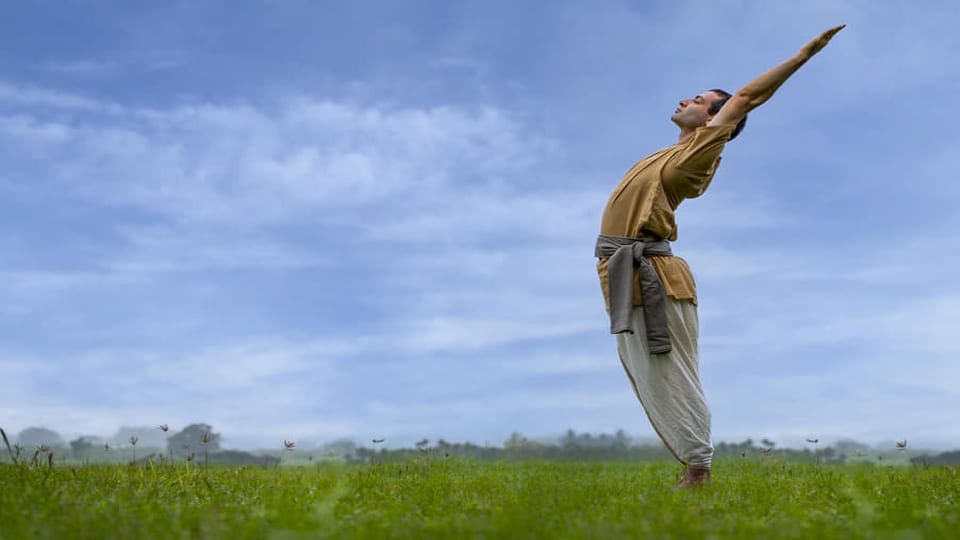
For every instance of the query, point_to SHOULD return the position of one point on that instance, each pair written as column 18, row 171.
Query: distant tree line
column 194, row 443
column 201, row 444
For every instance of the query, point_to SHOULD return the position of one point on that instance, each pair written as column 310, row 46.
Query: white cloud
column 177, row 248
column 32, row 96
column 28, row 129
column 32, row 283
column 242, row 164
column 82, row 67
column 459, row 334
column 241, row 366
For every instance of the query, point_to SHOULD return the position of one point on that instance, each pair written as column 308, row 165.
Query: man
column 650, row 294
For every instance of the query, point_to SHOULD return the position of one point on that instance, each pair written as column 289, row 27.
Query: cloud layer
column 407, row 252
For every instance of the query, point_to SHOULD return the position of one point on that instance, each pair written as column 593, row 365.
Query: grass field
column 439, row 498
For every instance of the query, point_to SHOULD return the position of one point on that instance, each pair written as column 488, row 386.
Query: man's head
column 697, row 111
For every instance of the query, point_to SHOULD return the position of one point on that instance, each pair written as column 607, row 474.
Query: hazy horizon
column 148, row 435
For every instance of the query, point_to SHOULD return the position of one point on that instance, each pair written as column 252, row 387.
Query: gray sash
column 625, row 254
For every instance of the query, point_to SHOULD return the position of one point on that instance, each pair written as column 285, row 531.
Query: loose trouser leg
column 668, row 385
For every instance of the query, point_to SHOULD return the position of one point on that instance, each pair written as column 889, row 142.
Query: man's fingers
column 819, row 42
column 825, row 38
column 833, row 31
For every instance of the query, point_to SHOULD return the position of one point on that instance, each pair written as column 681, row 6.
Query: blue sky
column 309, row 221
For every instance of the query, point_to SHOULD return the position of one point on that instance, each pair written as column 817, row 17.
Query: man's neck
column 685, row 135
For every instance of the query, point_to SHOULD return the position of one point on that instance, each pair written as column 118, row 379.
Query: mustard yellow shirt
column 650, row 192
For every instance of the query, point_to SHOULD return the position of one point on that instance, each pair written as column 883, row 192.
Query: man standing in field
column 649, row 293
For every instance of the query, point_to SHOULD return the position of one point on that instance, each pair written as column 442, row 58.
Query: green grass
column 468, row 499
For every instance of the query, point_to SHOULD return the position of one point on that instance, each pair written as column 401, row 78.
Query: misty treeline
column 199, row 442
column 196, row 442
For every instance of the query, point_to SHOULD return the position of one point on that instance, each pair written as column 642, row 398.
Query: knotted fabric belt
column 624, row 255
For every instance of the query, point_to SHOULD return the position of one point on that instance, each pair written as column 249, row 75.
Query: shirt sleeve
column 695, row 165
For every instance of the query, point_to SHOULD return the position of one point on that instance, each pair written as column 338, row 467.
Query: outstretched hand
column 818, row 43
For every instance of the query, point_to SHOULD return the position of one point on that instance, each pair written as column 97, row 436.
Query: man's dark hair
column 715, row 108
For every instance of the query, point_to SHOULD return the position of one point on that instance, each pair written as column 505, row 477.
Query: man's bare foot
column 694, row 477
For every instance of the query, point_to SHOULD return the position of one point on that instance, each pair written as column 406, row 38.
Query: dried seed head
column 134, row 439
column 205, row 438
column 190, row 457
column 43, row 449
column 106, row 447
column 6, row 443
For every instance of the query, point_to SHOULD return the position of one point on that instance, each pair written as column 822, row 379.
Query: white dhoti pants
column 668, row 385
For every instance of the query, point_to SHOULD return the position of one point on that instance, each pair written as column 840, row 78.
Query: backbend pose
column 649, row 293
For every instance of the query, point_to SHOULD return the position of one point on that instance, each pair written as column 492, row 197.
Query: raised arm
column 759, row 90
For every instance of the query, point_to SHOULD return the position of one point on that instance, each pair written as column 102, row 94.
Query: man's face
column 693, row 112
